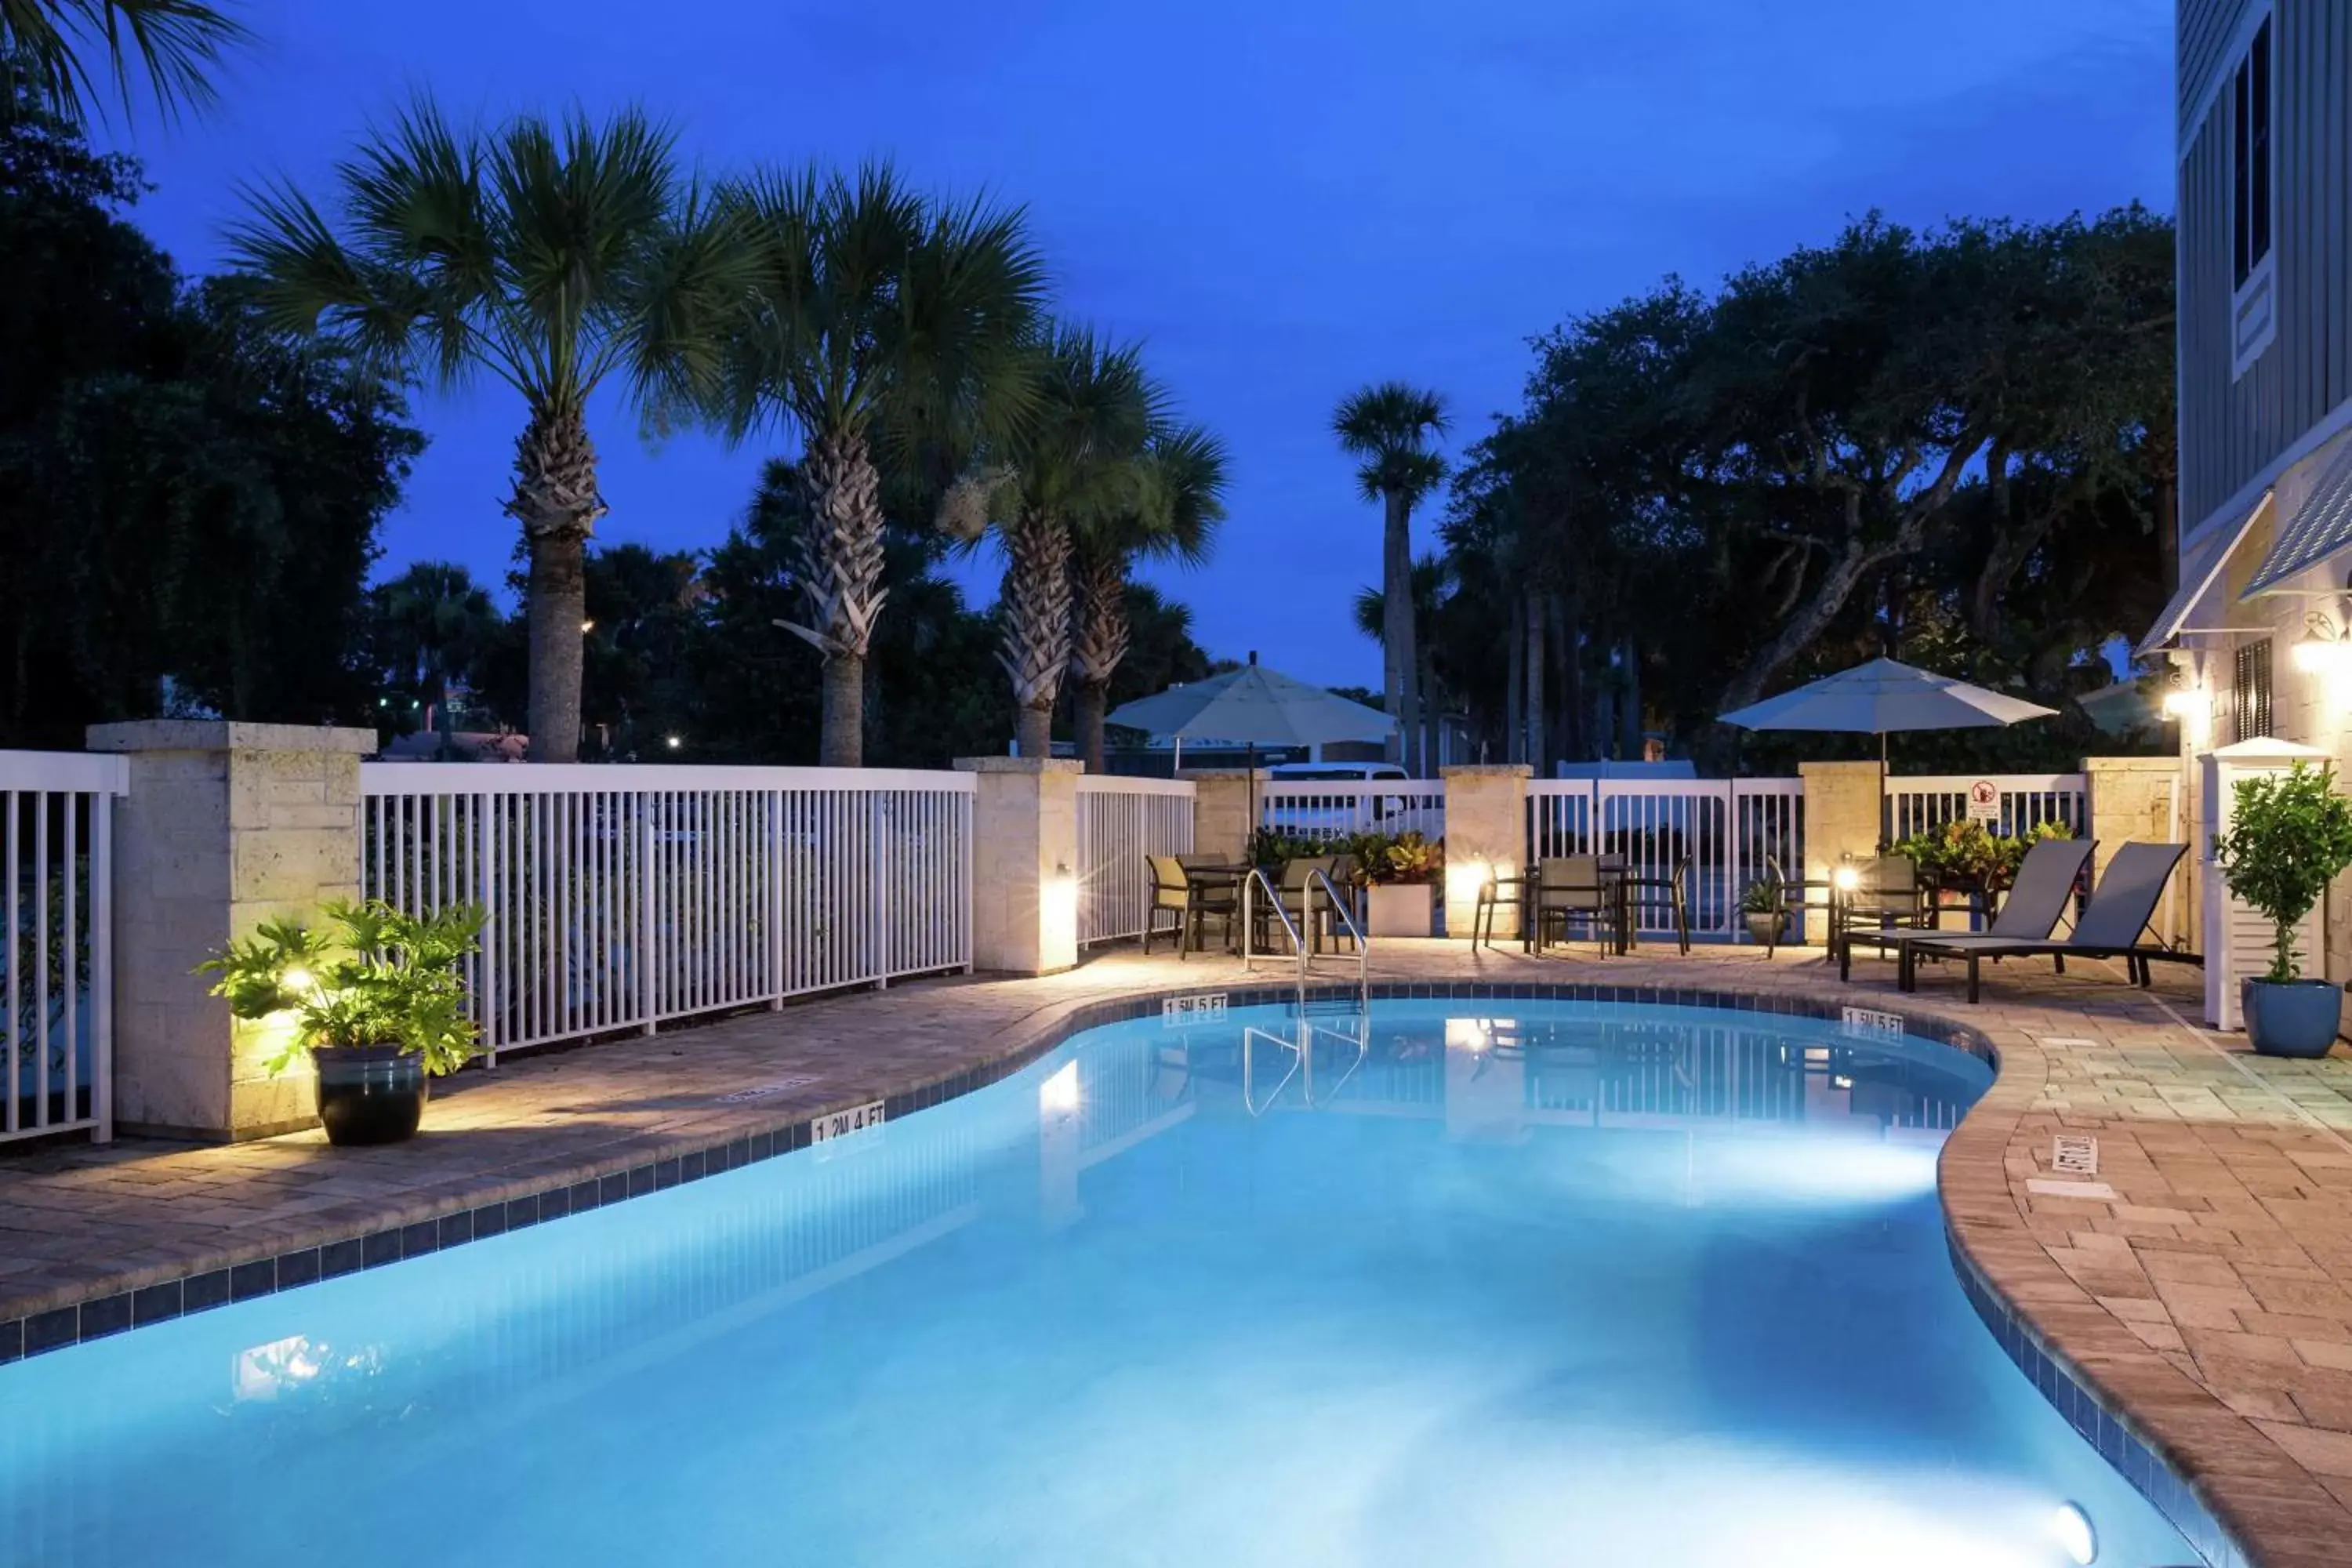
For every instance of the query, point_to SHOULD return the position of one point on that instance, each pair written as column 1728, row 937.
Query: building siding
column 2230, row 430
column 2205, row 29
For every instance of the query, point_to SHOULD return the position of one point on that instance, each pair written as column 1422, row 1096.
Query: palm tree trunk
column 841, row 734
column 1035, row 602
column 559, row 601
column 1534, row 658
column 1088, row 703
column 841, row 577
column 1514, row 685
column 556, row 500
column 1100, row 645
column 1433, row 713
column 1397, row 663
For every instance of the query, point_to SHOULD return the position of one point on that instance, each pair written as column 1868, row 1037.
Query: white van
column 1348, row 802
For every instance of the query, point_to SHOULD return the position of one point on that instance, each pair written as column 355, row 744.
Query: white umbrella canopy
column 1884, row 697
column 1253, row 705
column 1256, row 706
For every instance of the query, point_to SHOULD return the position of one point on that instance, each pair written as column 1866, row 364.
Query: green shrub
column 385, row 978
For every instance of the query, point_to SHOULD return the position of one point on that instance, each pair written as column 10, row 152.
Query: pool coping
column 1999, row 1273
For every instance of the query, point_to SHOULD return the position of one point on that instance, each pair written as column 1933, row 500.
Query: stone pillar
column 1842, row 817
column 1024, row 874
column 2145, row 798
column 1486, row 833
column 1222, row 819
column 226, row 826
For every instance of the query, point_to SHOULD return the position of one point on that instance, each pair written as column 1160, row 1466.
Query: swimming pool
column 1479, row 1283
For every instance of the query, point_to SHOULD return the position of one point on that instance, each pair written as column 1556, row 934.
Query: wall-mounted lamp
column 2325, row 646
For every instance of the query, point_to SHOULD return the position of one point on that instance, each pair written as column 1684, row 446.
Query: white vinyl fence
column 1311, row 809
column 2025, row 800
column 1728, row 828
column 1120, row 821
column 59, row 1032
column 624, row 897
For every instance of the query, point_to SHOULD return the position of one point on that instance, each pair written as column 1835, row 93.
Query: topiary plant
column 2290, row 835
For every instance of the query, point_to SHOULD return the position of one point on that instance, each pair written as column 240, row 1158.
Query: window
column 2253, row 214
column 2250, row 152
column 2250, row 693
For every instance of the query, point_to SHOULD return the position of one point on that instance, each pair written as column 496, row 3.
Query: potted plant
column 2290, row 835
column 377, row 1004
column 1402, row 874
column 1767, row 911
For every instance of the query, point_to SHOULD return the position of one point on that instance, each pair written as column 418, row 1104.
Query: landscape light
column 2071, row 1528
column 587, row 626
column 674, row 743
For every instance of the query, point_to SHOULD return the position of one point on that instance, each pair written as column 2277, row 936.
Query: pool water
column 1550, row 1284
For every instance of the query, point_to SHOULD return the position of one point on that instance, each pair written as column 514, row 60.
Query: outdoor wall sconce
column 2325, row 646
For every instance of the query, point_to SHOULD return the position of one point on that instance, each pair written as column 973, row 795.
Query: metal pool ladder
column 1299, row 946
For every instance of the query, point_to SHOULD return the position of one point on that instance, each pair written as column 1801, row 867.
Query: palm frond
column 175, row 44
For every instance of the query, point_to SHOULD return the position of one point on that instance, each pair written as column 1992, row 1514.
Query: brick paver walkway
column 2203, row 1279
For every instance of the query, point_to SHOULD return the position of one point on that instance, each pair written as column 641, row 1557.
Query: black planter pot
column 2291, row 1018
column 370, row 1094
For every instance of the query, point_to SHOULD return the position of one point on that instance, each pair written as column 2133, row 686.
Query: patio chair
column 1887, row 895
column 1793, row 897
column 1569, row 887
column 1672, row 890
column 2045, row 884
column 1176, row 889
column 2120, row 908
column 1301, row 898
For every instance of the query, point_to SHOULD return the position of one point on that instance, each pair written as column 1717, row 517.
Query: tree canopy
column 1954, row 446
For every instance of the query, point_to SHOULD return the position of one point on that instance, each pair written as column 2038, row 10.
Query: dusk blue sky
column 1284, row 200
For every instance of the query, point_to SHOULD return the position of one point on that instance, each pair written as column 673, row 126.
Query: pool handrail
column 1355, row 930
column 1250, row 884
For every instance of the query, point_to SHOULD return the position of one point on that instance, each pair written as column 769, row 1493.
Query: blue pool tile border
column 2115, row 1438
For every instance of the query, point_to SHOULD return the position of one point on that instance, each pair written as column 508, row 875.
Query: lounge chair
column 2119, row 910
column 2046, row 881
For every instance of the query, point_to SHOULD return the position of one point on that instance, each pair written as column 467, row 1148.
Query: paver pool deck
column 2209, row 1297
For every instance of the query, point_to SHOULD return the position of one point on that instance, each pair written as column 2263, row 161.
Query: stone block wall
column 226, row 826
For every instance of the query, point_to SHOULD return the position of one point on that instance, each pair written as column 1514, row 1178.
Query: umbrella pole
column 1249, row 758
column 1884, row 826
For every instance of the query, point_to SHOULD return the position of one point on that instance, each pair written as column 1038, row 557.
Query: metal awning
column 2200, row 571
column 2320, row 530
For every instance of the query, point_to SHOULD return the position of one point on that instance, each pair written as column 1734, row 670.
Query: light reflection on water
column 1559, row 1284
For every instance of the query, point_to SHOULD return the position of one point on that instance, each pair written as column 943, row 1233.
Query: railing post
column 101, row 963
column 647, row 876
column 776, row 864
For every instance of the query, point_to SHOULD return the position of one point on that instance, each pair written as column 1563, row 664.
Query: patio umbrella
column 1256, row 706
column 1884, row 697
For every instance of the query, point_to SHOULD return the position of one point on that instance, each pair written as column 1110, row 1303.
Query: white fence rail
column 1726, row 829
column 1120, row 821
column 2025, row 800
column 1322, row 809
column 59, row 1031
column 624, row 897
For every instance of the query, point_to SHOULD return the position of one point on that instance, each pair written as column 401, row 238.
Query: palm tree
column 433, row 625
column 1182, row 502
column 1081, row 457
column 177, row 44
column 1389, row 426
column 554, row 255
column 883, row 326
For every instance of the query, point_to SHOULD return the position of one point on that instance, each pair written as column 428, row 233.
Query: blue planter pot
column 2296, row 1018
